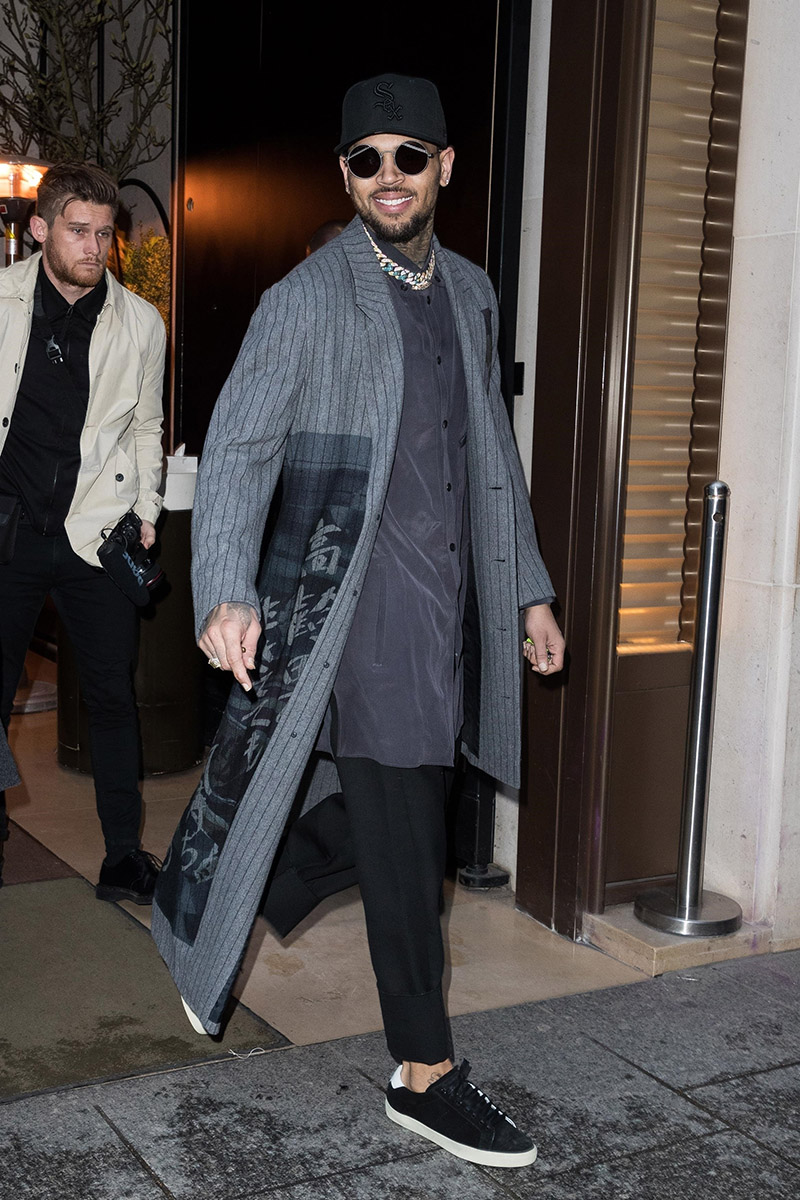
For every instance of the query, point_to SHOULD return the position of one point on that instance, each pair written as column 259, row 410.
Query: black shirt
column 42, row 456
column 398, row 692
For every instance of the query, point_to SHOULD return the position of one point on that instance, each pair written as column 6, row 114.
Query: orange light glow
column 20, row 178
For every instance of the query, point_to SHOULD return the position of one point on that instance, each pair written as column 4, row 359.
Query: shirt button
column 5, row 421
column 444, row 424
column 452, row 545
column 448, row 487
column 119, row 478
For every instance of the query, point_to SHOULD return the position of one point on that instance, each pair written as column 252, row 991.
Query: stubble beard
column 84, row 276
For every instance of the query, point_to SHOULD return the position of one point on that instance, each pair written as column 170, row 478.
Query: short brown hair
column 74, row 181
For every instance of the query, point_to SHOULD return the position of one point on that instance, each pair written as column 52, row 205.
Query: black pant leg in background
column 397, row 825
column 102, row 626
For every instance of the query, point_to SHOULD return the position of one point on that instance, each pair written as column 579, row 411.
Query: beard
column 80, row 275
column 394, row 233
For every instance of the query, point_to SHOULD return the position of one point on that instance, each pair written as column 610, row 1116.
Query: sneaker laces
column 471, row 1100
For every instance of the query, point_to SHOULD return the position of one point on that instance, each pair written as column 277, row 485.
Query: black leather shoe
column 133, row 878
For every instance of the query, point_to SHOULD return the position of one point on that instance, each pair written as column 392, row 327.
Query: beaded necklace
column 417, row 280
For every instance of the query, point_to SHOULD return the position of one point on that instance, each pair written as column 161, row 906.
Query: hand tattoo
column 243, row 611
column 237, row 608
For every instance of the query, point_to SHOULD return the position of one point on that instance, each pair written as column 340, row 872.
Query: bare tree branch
column 49, row 77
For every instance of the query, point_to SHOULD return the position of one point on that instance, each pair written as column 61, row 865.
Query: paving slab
column 774, row 977
column 255, row 1125
column 720, row 1167
column 688, row 1028
column 422, row 1177
column 59, row 1147
column 765, row 1106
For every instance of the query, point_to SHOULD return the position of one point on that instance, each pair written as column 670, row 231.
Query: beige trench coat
column 121, row 454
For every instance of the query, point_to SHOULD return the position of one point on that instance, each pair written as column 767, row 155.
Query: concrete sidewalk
column 683, row 1086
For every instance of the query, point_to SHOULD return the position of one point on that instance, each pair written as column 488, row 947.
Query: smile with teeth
column 392, row 201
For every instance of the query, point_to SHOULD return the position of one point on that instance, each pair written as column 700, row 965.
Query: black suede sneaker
column 457, row 1116
column 133, row 878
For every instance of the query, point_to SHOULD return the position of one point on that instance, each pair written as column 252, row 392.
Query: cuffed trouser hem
column 416, row 1027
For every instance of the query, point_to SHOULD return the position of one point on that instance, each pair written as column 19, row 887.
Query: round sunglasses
column 365, row 161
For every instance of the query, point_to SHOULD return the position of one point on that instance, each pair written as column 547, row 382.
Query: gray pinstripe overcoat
column 314, row 399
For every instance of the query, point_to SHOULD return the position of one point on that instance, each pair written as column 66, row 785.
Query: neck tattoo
column 417, row 280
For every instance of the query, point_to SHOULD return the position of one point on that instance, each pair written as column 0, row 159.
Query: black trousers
column 386, row 831
column 101, row 623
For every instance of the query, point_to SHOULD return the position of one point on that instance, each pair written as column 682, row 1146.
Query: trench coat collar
column 18, row 282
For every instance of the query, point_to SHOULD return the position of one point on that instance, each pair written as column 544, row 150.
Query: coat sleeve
column 534, row 585
column 243, row 454
column 148, row 422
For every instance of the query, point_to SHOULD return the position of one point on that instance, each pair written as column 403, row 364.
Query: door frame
column 598, row 93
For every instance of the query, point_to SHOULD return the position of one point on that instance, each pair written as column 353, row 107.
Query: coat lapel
column 473, row 319
column 471, row 326
column 384, row 346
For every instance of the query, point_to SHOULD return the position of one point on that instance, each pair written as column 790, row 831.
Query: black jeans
column 102, row 626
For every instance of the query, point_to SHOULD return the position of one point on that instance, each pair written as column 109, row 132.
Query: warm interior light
column 20, row 178
column 19, row 181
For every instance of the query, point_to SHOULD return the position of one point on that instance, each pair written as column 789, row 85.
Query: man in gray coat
column 380, row 637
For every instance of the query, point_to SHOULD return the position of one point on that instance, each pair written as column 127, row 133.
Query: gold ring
column 215, row 663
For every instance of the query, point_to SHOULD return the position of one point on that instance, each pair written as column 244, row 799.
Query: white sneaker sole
column 484, row 1158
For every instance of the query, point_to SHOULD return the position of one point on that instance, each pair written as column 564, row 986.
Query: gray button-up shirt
column 398, row 692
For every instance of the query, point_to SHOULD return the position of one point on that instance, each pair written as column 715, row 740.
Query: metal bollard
column 689, row 910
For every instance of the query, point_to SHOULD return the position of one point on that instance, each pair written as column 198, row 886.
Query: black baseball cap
column 393, row 104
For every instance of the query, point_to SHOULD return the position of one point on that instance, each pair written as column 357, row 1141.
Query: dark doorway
column 257, row 118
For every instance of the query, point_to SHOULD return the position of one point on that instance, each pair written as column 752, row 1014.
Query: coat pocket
column 126, row 476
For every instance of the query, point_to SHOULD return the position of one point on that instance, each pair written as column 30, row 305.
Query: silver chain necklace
column 417, row 280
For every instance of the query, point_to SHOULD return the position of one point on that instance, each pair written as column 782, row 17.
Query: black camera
column 125, row 559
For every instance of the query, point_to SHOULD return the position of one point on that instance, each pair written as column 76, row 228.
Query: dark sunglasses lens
column 411, row 160
column 364, row 163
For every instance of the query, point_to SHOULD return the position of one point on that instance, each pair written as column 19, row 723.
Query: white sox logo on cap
column 387, row 101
